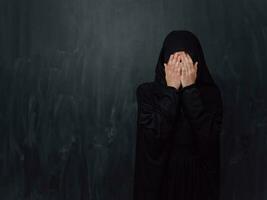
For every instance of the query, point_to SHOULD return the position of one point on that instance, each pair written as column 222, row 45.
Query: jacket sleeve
column 156, row 115
column 155, row 118
column 205, row 119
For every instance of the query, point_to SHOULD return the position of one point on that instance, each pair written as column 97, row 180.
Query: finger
column 186, row 64
column 167, row 71
column 180, row 58
column 182, row 67
column 184, row 56
column 166, row 67
column 170, row 59
column 183, row 61
column 176, row 69
column 189, row 61
column 183, row 70
column 179, row 69
column 176, row 54
column 195, row 65
column 179, row 55
column 177, row 61
column 186, row 69
column 184, row 53
column 175, row 58
column 189, row 64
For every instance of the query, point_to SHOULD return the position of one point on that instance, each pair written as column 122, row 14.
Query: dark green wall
column 68, row 74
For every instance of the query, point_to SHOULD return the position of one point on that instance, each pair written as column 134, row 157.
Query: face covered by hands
column 180, row 70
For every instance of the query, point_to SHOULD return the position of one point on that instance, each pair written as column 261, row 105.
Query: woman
column 178, row 126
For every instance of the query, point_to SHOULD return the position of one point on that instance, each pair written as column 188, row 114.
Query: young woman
column 178, row 126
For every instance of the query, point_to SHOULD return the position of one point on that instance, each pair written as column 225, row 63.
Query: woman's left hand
column 189, row 70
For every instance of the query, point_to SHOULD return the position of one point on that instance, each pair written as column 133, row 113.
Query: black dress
column 178, row 146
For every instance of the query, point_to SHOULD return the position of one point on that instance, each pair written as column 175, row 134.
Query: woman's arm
column 205, row 120
column 156, row 115
column 155, row 121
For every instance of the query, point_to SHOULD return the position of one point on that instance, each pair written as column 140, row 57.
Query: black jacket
column 178, row 141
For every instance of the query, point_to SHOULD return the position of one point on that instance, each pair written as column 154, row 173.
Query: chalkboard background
column 68, row 74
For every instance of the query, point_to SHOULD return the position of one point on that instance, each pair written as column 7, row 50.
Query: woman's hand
column 189, row 70
column 173, row 70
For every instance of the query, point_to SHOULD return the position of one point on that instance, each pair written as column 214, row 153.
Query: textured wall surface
column 68, row 74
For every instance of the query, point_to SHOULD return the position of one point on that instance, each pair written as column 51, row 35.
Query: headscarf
column 183, row 40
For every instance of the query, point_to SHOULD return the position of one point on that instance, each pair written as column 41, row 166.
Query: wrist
column 171, row 87
column 189, row 86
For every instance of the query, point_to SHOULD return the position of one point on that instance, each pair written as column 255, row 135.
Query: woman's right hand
column 173, row 70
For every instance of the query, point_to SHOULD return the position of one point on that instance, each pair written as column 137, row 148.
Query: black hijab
column 183, row 40
column 165, row 166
